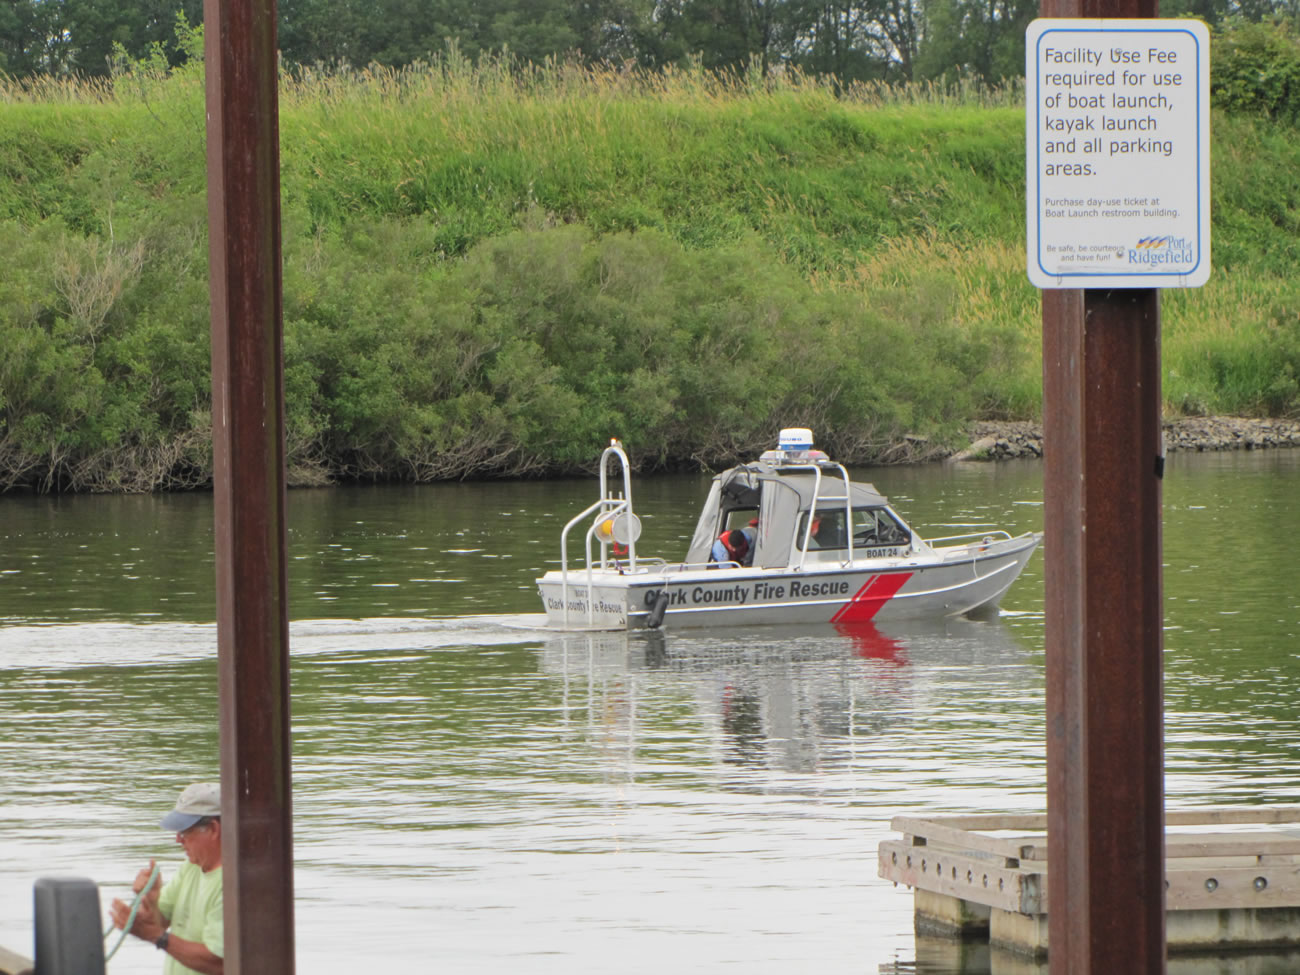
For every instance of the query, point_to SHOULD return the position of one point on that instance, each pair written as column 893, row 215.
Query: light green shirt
column 192, row 902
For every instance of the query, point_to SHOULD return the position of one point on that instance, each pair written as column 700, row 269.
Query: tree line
column 852, row 40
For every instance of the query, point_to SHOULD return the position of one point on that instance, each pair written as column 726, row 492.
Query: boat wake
column 117, row 644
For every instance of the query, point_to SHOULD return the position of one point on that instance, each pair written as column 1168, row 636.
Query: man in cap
column 185, row 919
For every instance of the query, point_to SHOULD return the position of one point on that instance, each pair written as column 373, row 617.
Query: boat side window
column 827, row 530
column 876, row 526
column 871, row 526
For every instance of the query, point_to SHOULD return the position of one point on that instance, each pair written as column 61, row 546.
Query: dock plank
column 953, row 832
column 12, row 963
column 954, row 875
column 1233, row 875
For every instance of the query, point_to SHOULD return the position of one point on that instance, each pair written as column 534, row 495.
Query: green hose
column 135, row 909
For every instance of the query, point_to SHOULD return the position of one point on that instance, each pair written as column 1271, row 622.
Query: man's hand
column 143, row 876
column 149, row 924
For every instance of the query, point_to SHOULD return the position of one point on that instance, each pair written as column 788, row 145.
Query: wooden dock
column 1232, row 878
column 12, row 963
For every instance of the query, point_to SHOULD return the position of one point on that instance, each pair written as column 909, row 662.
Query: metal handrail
column 812, row 508
column 564, row 560
column 954, row 538
column 695, row 566
column 607, row 507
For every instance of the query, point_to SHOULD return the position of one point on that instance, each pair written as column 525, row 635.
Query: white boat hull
column 949, row 582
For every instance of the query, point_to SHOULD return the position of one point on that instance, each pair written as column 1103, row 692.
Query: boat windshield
column 870, row 526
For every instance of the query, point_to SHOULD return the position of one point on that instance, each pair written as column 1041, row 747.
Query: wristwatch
column 161, row 943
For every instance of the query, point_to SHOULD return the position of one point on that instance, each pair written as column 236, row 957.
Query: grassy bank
column 490, row 273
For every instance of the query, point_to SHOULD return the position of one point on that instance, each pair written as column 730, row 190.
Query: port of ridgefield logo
column 1162, row 250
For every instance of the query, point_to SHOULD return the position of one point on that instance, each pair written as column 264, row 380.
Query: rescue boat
column 790, row 538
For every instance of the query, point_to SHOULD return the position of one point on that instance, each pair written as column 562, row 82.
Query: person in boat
column 735, row 545
column 826, row 533
column 183, row 918
column 814, row 534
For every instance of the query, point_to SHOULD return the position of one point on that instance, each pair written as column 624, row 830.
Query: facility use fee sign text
column 1117, row 124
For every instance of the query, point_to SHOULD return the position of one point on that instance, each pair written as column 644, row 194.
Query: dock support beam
column 249, row 483
column 1105, row 787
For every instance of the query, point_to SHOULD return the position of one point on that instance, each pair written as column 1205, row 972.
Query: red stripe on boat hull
column 866, row 602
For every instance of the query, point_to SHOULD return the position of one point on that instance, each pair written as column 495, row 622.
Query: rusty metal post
column 249, row 484
column 1103, row 461
column 1105, row 786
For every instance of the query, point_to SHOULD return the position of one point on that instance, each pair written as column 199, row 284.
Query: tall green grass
column 490, row 270
column 1234, row 348
column 703, row 158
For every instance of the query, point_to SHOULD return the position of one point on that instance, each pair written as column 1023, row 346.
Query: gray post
column 69, row 939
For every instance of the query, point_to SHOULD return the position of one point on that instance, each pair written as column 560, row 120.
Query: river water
column 471, row 794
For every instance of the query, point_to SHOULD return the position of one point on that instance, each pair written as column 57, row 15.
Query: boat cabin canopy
column 779, row 498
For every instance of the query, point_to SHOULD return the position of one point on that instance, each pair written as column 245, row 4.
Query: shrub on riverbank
column 490, row 273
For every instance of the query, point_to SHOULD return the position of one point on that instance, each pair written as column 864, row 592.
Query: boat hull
column 951, row 582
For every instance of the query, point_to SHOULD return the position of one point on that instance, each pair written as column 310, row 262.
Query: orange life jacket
column 736, row 544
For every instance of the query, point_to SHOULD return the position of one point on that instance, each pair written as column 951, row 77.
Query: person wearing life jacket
column 734, row 545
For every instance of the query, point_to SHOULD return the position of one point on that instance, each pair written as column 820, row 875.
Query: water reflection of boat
column 795, row 698
column 787, row 539
column 870, row 644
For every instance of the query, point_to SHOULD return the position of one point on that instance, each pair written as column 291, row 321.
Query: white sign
column 1117, row 125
